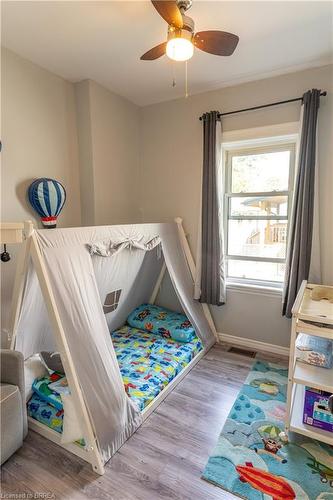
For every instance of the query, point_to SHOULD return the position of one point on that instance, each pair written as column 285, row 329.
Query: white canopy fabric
column 84, row 265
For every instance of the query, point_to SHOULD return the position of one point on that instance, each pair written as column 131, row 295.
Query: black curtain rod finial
column 322, row 94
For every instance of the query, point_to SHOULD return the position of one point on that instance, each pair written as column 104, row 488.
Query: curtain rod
column 322, row 94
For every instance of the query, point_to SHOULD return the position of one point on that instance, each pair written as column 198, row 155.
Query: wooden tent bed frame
column 24, row 233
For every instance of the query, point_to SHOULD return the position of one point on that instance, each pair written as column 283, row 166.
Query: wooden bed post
column 191, row 264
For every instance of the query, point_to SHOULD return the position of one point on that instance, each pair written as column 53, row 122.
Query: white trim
column 260, row 136
column 253, row 258
column 255, row 289
column 253, row 345
column 260, row 142
column 11, row 232
column 247, row 194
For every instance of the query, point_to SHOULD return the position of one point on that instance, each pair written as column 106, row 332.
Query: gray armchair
column 14, row 426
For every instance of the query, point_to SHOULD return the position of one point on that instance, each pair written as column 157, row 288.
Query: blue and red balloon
column 47, row 197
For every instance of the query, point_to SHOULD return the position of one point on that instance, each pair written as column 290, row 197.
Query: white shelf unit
column 314, row 318
column 313, row 376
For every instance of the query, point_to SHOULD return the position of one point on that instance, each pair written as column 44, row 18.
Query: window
column 259, row 184
column 111, row 301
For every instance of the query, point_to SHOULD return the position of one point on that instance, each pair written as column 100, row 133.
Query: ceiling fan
column 181, row 37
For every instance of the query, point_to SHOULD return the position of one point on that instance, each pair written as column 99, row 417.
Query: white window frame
column 246, row 148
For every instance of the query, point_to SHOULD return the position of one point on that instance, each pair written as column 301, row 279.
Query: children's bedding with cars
column 148, row 362
column 152, row 349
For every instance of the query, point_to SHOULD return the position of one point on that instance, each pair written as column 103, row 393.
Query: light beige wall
column 170, row 181
column 39, row 139
column 87, row 184
column 109, row 155
column 38, row 136
column 82, row 134
column 115, row 133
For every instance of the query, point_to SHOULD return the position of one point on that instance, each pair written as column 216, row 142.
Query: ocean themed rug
column 253, row 460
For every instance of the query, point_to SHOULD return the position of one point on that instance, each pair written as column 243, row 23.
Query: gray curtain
column 300, row 237
column 211, row 242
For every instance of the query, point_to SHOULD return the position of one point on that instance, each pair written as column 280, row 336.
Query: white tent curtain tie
column 110, row 248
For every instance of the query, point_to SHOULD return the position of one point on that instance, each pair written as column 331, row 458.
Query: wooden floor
column 164, row 459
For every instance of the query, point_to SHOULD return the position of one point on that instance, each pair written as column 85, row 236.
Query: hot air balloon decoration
column 47, row 197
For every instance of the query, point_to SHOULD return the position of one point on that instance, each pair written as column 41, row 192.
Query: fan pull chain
column 186, row 81
column 173, row 74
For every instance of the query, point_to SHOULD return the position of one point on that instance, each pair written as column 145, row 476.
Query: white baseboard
column 254, row 345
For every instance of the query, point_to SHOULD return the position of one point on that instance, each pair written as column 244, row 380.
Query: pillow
column 42, row 389
column 161, row 321
column 71, row 429
column 33, row 369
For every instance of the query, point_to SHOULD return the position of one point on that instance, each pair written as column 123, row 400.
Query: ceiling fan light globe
column 179, row 49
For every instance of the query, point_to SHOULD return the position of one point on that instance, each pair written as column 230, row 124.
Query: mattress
column 48, row 415
column 45, row 413
column 147, row 362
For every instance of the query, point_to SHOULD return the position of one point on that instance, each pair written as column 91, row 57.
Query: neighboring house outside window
column 258, row 196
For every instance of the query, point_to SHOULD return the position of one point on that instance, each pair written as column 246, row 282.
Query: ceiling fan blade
column 155, row 52
column 220, row 43
column 168, row 9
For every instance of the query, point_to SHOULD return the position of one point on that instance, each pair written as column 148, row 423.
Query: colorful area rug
column 253, row 461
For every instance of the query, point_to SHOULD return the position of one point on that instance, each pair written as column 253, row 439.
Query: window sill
column 255, row 289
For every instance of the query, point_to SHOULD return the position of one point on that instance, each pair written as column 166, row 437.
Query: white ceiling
column 103, row 41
